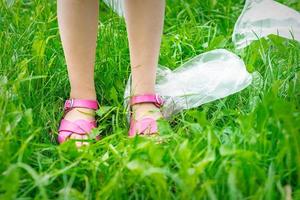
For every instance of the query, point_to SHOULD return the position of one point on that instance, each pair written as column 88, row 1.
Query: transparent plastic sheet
column 116, row 5
column 205, row 78
column 261, row 18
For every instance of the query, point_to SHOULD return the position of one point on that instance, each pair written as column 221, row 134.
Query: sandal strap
column 147, row 98
column 141, row 126
column 81, row 103
column 81, row 127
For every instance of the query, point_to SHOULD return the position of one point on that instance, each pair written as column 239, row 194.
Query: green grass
column 245, row 146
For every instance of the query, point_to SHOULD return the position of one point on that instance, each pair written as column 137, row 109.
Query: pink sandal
column 81, row 127
column 147, row 123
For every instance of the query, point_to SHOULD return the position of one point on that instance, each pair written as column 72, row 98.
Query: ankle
column 87, row 94
column 138, row 90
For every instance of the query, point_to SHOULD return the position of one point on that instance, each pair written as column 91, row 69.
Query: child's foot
column 80, row 114
column 146, row 110
column 144, row 114
column 78, row 121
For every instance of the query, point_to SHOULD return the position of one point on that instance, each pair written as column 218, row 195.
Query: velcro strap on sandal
column 81, row 103
column 147, row 98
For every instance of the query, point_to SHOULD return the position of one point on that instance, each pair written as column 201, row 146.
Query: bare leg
column 78, row 21
column 144, row 20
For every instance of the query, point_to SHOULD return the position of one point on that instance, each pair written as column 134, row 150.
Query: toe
column 77, row 137
column 85, row 137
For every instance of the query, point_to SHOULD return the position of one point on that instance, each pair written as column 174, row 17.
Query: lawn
column 245, row 146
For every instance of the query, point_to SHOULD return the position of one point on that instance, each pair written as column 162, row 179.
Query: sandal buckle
column 69, row 104
column 159, row 100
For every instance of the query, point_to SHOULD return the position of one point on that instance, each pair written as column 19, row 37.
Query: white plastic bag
column 261, row 18
column 205, row 78
column 116, row 5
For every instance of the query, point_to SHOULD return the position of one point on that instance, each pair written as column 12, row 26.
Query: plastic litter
column 261, row 18
column 205, row 78
column 116, row 5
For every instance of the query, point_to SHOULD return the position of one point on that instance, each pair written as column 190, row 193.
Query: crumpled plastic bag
column 261, row 18
column 205, row 78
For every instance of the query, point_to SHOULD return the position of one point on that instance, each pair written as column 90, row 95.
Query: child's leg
column 78, row 30
column 78, row 21
column 144, row 19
